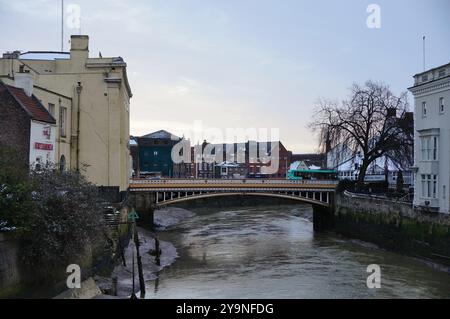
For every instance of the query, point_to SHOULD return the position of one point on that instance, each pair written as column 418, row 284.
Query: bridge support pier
column 323, row 218
column 145, row 207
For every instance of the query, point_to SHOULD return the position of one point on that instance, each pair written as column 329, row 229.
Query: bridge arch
column 194, row 197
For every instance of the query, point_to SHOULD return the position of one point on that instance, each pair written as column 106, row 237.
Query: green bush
column 67, row 218
column 58, row 216
column 15, row 191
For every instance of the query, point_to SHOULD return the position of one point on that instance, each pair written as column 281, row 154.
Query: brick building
column 26, row 125
column 251, row 154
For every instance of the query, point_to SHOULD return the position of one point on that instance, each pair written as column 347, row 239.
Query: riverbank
column 395, row 226
column 124, row 271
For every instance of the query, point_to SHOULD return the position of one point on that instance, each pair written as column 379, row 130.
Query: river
column 272, row 252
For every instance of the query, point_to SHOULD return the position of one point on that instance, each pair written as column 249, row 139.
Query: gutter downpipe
column 79, row 89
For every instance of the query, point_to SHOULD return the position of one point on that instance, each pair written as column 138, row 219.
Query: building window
column 51, row 109
column 62, row 121
column 429, row 186
column 155, row 153
column 441, row 105
column 429, row 148
column 424, row 108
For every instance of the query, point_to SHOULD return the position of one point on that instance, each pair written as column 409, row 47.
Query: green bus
column 315, row 174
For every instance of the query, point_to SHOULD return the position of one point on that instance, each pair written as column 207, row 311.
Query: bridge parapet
column 232, row 181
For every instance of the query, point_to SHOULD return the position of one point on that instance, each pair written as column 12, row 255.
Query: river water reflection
column 272, row 252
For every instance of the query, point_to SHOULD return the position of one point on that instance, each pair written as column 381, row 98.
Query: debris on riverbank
column 124, row 273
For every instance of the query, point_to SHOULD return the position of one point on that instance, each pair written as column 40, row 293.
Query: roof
column 229, row 164
column 433, row 69
column 45, row 55
column 161, row 134
column 31, row 105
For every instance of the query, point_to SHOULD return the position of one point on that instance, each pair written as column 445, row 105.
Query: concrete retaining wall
column 10, row 277
column 395, row 226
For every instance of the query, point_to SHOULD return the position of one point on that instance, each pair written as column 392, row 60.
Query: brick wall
column 14, row 124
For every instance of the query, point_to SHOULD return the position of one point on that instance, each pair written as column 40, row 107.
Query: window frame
column 430, row 186
column 441, row 105
column 429, row 148
column 424, row 109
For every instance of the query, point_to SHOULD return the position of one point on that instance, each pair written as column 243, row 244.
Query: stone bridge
column 150, row 194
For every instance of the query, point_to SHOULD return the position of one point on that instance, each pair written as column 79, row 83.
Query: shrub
column 66, row 219
column 15, row 191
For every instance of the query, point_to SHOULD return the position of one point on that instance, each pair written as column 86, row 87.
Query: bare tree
column 372, row 121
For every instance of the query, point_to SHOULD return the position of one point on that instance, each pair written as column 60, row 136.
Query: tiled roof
column 31, row 104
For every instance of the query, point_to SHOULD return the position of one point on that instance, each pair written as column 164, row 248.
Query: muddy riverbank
column 124, row 271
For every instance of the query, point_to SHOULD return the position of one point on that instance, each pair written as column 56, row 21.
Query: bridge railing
column 231, row 181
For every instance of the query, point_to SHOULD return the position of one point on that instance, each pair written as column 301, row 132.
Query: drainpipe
column 79, row 89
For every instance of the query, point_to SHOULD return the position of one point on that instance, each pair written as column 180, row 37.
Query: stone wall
column 394, row 225
column 10, row 277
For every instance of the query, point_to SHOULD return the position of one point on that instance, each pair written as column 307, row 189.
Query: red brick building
column 26, row 125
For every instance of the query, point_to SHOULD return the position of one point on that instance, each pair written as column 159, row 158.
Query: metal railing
column 231, row 182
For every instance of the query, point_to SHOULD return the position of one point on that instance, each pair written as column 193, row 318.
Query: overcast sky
column 241, row 63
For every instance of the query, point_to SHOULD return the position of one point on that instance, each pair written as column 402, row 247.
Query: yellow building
column 90, row 99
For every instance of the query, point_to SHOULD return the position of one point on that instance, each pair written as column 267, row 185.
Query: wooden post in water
column 133, row 295
column 114, row 286
column 139, row 263
column 157, row 252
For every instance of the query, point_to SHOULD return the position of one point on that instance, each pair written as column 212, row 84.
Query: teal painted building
column 154, row 154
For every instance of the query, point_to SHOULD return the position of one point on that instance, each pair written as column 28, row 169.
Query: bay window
column 429, row 185
column 429, row 148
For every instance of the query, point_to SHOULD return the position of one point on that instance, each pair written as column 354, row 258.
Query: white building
column 42, row 143
column 431, row 92
column 347, row 166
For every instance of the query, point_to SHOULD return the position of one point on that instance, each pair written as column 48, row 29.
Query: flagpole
column 62, row 25
column 424, row 53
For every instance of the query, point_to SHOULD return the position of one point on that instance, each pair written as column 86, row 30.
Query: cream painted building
column 431, row 92
column 89, row 98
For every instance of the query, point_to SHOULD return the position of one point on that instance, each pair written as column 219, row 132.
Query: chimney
column 24, row 81
column 11, row 55
column 79, row 47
